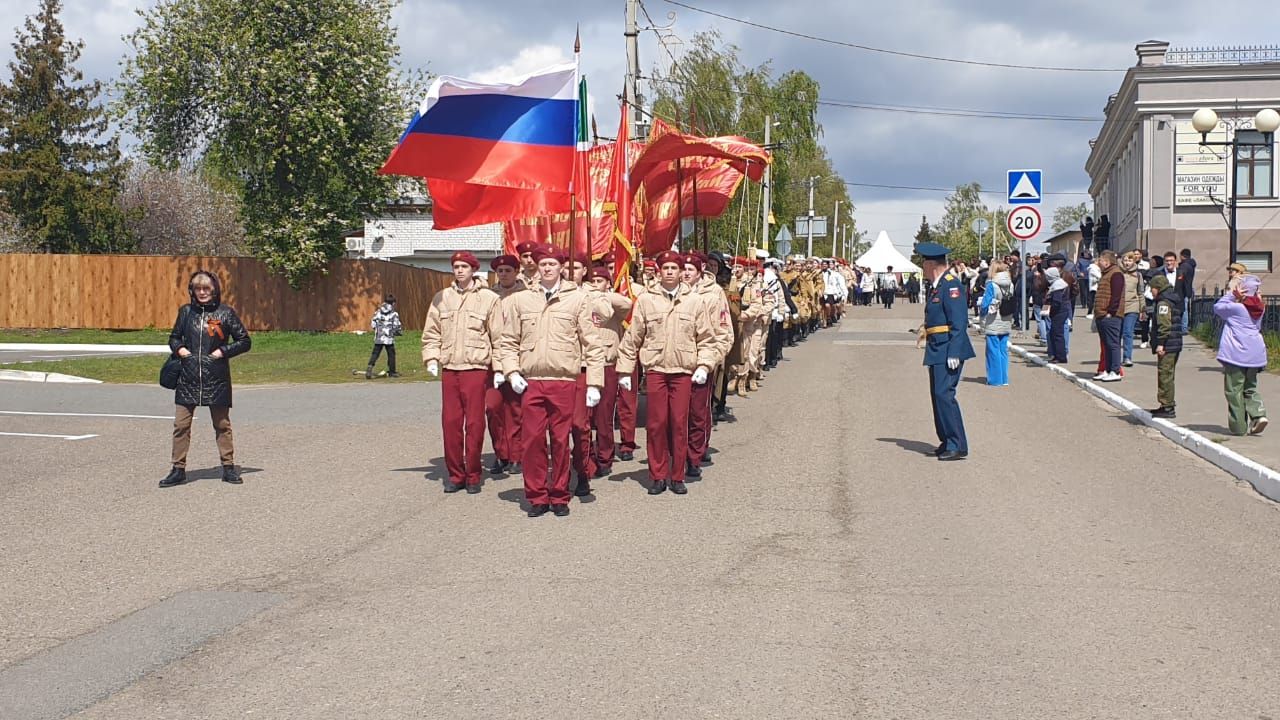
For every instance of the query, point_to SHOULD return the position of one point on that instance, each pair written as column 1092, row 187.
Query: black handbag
column 170, row 371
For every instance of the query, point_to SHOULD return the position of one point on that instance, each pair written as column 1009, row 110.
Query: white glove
column 498, row 379
column 953, row 363
column 593, row 396
column 624, row 382
column 433, row 368
column 700, row 376
column 517, row 383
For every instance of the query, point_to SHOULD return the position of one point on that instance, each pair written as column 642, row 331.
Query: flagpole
column 573, row 177
column 679, row 206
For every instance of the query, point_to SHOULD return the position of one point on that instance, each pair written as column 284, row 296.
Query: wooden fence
column 136, row 291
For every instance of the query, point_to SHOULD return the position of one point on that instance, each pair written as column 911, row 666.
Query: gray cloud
column 475, row 36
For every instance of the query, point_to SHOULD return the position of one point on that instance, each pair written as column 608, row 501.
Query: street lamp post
column 1265, row 124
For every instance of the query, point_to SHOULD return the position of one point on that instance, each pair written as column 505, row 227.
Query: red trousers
column 502, row 408
column 583, row 454
column 627, row 414
column 462, row 419
column 603, row 417
column 547, row 410
column 700, row 420
column 667, row 425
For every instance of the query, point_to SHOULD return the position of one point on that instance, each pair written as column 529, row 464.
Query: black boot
column 658, row 487
column 584, row 487
column 368, row 373
column 231, row 475
column 499, row 466
column 691, row 470
column 176, row 476
column 538, row 510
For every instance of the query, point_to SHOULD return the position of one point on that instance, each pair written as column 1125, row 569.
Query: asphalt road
column 1076, row 565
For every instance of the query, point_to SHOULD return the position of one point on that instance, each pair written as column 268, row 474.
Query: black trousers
column 391, row 356
column 773, row 345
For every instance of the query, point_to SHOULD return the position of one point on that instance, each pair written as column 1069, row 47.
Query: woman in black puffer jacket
column 206, row 335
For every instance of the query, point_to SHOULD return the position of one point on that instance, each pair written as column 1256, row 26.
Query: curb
column 30, row 376
column 1263, row 479
column 82, row 347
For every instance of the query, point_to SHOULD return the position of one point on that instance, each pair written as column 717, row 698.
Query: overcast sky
column 486, row 38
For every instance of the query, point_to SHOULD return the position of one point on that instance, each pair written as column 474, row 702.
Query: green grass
column 150, row 336
column 1204, row 333
column 276, row 357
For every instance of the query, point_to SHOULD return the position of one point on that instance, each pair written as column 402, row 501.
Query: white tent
column 883, row 254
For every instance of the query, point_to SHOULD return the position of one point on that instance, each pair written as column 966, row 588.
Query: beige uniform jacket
column 753, row 301
column 504, row 293
column 715, row 304
column 462, row 328
column 613, row 308
column 667, row 336
column 551, row 339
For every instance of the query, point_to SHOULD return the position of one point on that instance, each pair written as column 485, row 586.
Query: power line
column 942, row 189
column 913, row 109
column 898, row 53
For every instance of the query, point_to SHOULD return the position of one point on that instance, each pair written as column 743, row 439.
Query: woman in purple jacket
column 1243, row 354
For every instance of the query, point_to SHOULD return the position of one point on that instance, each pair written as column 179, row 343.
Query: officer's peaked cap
column 932, row 251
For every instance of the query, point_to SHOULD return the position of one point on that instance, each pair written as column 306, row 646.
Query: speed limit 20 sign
column 1024, row 222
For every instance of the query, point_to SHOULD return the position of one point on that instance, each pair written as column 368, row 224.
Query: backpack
column 1008, row 304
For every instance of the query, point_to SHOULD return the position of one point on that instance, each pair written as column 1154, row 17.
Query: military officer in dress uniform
column 947, row 346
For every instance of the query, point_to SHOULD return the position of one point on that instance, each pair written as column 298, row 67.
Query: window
column 1254, row 166
column 1255, row 261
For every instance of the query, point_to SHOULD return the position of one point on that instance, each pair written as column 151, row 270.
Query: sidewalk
column 1201, row 405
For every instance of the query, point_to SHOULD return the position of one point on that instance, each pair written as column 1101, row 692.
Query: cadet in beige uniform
column 715, row 307
column 463, row 325
column 674, row 341
column 610, row 326
column 501, row 403
column 548, row 336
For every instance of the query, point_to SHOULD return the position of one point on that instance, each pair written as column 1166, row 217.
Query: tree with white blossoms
column 293, row 104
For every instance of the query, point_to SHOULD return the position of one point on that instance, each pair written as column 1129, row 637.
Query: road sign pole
column 1025, row 279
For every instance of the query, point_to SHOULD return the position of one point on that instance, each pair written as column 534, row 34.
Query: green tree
column 1068, row 217
column 294, row 104
column 60, row 172
column 924, row 234
column 710, row 92
column 955, row 230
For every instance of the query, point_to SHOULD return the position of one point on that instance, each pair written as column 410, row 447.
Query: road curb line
column 32, row 376
column 1263, row 479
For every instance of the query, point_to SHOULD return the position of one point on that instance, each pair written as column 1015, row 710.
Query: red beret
column 525, row 247
column 466, row 257
column 510, row 261
column 651, row 264
column 700, row 255
column 562, row 255
column 694, row 260
column 670, row 256
column 601, row 273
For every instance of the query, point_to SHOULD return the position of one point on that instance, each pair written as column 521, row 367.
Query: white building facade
column 1161, row 188
column 405, row 233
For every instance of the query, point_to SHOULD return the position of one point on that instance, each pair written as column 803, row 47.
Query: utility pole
column 632, row 34
column 809, row 251
column 835, row 227
column 766, row 188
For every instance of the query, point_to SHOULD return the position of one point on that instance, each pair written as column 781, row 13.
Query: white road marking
column 43, row 435
column 106, row 415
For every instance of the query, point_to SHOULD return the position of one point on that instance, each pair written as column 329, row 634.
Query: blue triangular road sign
column 1025, row 187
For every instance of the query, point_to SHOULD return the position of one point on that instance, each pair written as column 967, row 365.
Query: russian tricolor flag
column 519, row 135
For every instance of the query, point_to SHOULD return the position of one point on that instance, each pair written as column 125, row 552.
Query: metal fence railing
column 1202, row 313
